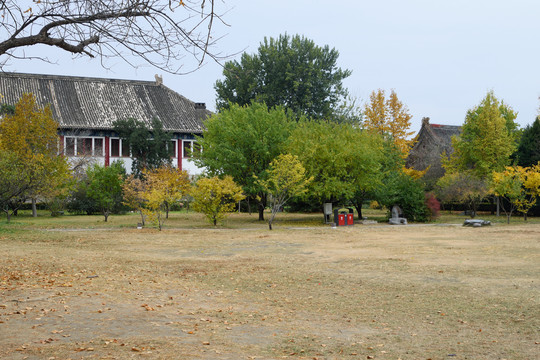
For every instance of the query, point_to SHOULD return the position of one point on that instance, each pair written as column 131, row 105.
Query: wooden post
column 107, row 151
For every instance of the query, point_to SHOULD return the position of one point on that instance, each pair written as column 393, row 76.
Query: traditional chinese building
column 86, row 108
column 433, row 140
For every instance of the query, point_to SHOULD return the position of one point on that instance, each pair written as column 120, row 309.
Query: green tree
column 406, row 192
column 343, row 160
column 488, row 139
column 241, row 141
column 528, row 152
column 14, row 182
column 150, row 147
column 288, row 71
column 216, row 197
column 105, row 186
column 286, row 179
column 389, row 160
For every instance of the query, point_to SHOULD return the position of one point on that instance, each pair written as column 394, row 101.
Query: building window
column 190, row 147
column 115, row 147
column 70, row 146
column 172, row 149
column 98, row 147
column 119, row 148
column 83, row 146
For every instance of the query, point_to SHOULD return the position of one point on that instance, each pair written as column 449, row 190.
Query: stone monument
column 397, row 216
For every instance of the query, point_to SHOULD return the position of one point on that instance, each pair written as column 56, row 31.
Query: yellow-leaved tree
column 164, row 186
column 133, row 189
column 29, row 137
column 215, row 197
column 389, row 117
column 286, row 179
column 519, row 186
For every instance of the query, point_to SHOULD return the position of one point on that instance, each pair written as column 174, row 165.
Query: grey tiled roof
column 95, row 103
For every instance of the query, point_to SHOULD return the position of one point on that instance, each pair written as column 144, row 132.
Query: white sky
column 441, row 57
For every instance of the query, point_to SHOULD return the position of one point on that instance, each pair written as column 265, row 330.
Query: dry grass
column 243, row 292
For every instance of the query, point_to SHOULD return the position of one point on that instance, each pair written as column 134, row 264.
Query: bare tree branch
column 159, row 32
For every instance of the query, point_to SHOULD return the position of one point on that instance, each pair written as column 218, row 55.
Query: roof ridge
column 76, row 78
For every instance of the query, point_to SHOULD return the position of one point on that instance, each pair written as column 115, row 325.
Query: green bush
column 406, row 192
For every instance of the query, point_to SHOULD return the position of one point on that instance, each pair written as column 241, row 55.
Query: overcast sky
column 441, row 57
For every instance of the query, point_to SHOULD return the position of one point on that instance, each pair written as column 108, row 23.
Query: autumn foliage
column 31, row 166
column 163, row 187
column 389, row 117
column 519, row 186
column 215, row 197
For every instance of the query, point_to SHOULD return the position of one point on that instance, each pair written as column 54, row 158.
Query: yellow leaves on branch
column 31, row 130
column 415, row 174
column 520, row 185
column 389, row 117
column 286, row 179
column 163, row 187
column 215, row 197
column 30, row 136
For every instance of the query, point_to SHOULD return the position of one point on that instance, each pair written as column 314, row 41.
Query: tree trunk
column 142, row 217
column 34, row 208
column 106, row 214
column 270, row 224
column 525, row 216
column 358, row 208
column 261, row 212
column 166, row 210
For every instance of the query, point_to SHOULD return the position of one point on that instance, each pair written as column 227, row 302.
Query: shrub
column 433, row 205
column 406, row 192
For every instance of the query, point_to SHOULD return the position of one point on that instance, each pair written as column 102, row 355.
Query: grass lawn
column 75, row 287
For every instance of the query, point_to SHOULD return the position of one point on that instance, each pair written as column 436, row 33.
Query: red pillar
column 179, row 154
column 107, row 152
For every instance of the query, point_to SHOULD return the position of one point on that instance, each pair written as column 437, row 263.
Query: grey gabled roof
column 431, row 142
column 95, row 103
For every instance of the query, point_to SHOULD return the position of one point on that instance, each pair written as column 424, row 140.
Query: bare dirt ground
column 375, row 292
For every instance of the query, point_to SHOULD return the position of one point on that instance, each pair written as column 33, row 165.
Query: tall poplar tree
column 288, row 71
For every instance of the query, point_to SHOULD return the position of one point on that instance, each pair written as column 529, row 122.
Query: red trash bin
column 350, row 219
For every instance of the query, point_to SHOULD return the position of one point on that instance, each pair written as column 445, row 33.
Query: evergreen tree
column 528, row 152
column 150, row 147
